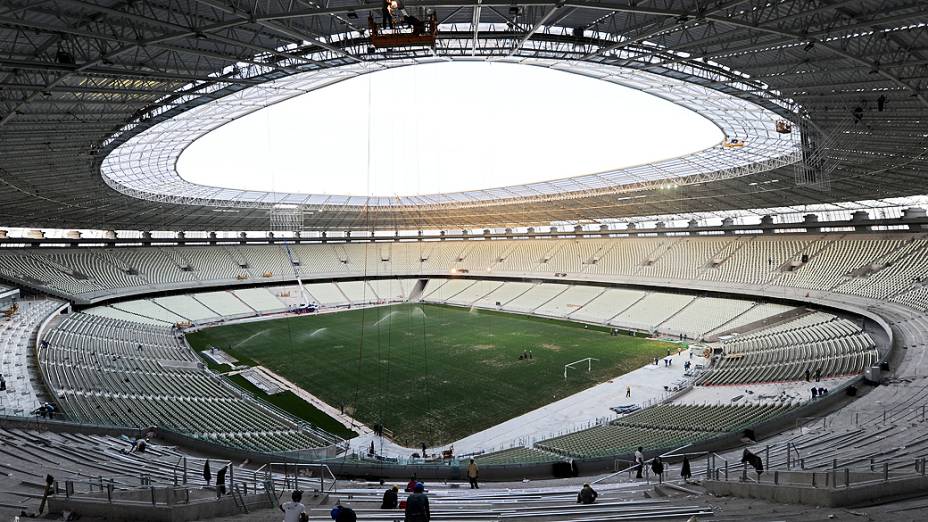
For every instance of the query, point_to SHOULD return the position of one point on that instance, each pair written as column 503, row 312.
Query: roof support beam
column 475, row 24
column 281, row 29
column 535, row 28
column 662, row 27
column 107, row 58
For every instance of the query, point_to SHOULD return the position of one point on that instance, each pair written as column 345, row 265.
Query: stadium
column 674, row 250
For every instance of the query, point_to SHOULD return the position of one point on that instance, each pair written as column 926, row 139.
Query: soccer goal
column 570, row 366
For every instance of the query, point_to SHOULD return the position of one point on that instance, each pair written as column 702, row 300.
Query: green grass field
column 427, row 372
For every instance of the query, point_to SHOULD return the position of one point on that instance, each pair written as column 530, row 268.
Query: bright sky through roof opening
column 444, row 127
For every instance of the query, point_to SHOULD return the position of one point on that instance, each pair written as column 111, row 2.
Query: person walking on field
column 472, row 473
column 628, row 391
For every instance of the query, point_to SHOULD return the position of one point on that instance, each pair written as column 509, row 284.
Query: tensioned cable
column 424, row 318
column 366, row 213
column 269, row 144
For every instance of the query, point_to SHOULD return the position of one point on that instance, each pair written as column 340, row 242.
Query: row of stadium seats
column 517, row 455
column 109, row 371
column 819, row 332
column 705, row 314
column 760, row 313
column 85, row 331
column 206, row 307
column 805, row 322
column 609, row 440
column 841, row 345
column 810, row 343
column 670, row 314
column 694, row 417
column 791, row 365
column 872, row 265
column 664, row 426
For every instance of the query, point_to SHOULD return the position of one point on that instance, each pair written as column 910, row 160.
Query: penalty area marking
column 588, row 361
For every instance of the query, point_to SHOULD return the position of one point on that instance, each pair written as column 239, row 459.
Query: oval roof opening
column 444, row 127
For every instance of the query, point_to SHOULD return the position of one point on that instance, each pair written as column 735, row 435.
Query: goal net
column 571, row 366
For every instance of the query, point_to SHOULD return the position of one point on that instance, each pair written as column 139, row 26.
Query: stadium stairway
column 622, row 499
column 24, row 387
column 27, row 456
column 455, row 502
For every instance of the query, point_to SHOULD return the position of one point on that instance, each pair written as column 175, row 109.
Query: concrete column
column 860, row 216
column 767, row 223
column 728, row 223
column 811, row 220
column 914, row 213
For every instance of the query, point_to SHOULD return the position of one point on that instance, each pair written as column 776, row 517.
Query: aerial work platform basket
column 409, row 36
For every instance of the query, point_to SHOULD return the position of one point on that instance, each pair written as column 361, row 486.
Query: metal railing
column 267, row 479
column 785, row 463
column 625, row 466
column 295, row 475
column 836, row 477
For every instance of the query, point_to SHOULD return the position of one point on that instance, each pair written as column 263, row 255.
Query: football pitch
column 432, row 373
